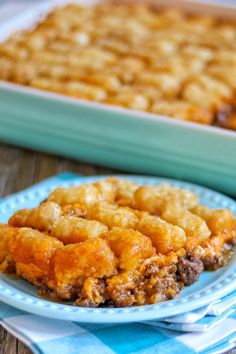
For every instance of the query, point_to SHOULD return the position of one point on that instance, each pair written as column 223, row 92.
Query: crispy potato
column 207, row 92
column 165, row 237
column 72, row 264
column 131, row 247
column 78, row 210
column 32, row 252
column 193, row 225
column 41, row 217
column 109, row 54
column 7, row 263
column 156, row 199
column 131, row 100
column 107, row 189
column 112, row 215
column 86, row 194
column 124, row 190
column 183, row 110
column 218, row 221
column 74, row 230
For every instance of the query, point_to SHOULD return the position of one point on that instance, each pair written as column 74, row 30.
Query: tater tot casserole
column 116, row 243
column 159, row 61
column 135, row 56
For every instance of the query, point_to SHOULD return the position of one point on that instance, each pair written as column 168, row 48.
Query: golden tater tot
column 124, row 190
column 145, row 198
column 130, row 100
column 110, row 82
column 183, row 110
column 86, row 194
column 165, row 237
column 7, row 264
column 167, row 83
column 73, row 230
column 112, row 215
column 162, row 62
column 6, row 233
column 107, row 189
column 193, row 225
column 218, row 221
column 155, row 199
column 32, row 252
column 73, row 210
column 207, row 92
column 40, row 218
column 72, row 264
column 131, row 247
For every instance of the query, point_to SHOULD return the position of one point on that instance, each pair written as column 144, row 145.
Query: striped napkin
column 210, row 329
column 49, row 336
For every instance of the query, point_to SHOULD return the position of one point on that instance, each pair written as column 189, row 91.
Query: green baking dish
column 117, row 137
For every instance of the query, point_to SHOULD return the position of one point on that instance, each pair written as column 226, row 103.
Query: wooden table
column 20, row 168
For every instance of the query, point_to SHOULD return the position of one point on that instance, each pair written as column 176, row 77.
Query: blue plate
column 211, row 285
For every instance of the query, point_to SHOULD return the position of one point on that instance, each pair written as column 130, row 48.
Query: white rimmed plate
column 211, row 285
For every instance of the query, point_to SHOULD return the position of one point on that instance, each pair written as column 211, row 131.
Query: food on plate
column 140, row 57
column 116, row 243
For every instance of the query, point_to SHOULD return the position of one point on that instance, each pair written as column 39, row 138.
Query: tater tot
column 112, row 215
column 107, row 189
column 131, row 247
column 218, row 221
column 109, row 82
column 193, row 225
column 130, row 100
column 167, row 83
column 73, row 230
column 74, row 263
column 165, row 237
column 183, row 110
column 32, row 251
column 162, row 62
column 86, row 194
column 124, row 190
column 7, row 233
column 73, row 210
column 40, row 218
column 156, row 199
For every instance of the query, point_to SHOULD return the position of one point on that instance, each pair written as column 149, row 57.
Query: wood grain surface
column 20, row 168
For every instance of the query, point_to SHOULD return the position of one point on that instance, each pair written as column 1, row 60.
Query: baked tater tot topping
column 140, row 57
column 116, row 243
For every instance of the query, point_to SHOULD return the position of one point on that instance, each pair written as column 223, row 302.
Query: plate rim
column 39, row 306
